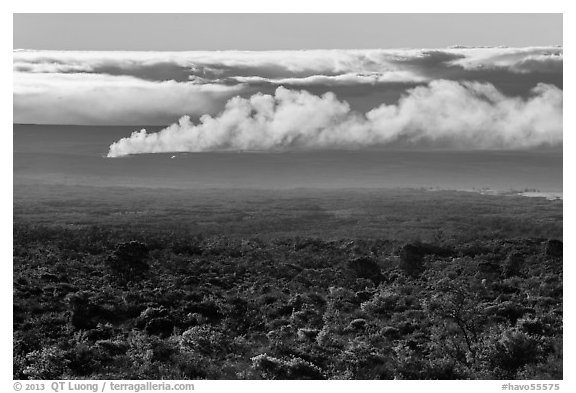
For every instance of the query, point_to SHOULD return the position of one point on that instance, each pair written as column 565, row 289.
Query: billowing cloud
column 442, row 113
column 72, row 87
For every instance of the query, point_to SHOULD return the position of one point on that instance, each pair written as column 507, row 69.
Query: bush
column 203, row 339
column 110, row 348
column 84, row 311
column 46, row 363
column 391, row 332
column 357, row 324
column 306, row 334
column 513, row 264
column 162, row 327
column 129, row 260
column 412, row 259
column 365, row 267
column 384, row 302
column 554, row 248
column 509, row 310
column 268, row 367
column 533, row 326
column 515, row 349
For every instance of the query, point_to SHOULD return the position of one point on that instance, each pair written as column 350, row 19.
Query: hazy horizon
column 74, row 155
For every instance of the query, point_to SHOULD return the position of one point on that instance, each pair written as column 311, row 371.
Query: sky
column 287, row 81
column 184, row 32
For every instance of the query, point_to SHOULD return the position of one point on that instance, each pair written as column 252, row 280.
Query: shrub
column 149, row 314
column 357, row 324
column 513, row 264
column 18, row 366
column 46, row 363
column 412, row 259
column 307, row 334
column 554, row 248
column 550, row 368
column 509, row 310
column 203, row 339
column 162, row 327
column 268, row 367
column 83, row 359
column 407, row 364
column 534, row 326
column 365, row 267
column 129, row 260
column 384, row 302
column 361, row 360
column 110, row 348
column 84, row 311
column 391, row 332
column 515, row 349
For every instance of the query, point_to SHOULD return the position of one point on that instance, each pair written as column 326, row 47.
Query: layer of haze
column 76, row 155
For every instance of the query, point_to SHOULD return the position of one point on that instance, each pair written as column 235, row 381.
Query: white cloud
column 283, row 64
column 521, row 60
column 72, row 87
column 47, row 98
column 348, row 79
column 444, row 113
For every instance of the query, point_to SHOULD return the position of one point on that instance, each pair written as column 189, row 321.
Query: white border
column 259, row 6
column 297, row 6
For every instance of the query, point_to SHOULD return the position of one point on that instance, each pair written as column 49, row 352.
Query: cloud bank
column 155, row 88
column 442, row 113
column 283, row 64
column 112, row 100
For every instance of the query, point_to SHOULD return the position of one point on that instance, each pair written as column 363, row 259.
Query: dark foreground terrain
column 147, row 284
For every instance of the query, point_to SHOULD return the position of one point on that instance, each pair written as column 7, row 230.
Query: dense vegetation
column 163, row 301
column 394, row 214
